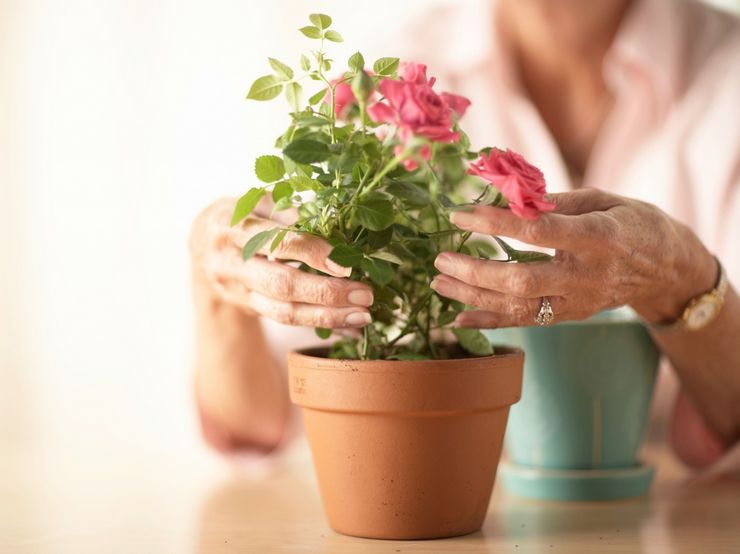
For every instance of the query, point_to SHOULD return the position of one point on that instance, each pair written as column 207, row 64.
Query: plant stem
column 435, row 180
column 332, row 116
column 388, row 168
column 411, row 317
column 365, row 342
column 427, row 332
column 465, row 236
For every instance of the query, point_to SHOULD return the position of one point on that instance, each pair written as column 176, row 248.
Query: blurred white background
column 119, row 121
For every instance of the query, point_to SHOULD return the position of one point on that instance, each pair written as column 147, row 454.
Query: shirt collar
column 648, row 47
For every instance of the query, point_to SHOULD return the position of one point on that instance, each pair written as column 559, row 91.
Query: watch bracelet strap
column 719, row 289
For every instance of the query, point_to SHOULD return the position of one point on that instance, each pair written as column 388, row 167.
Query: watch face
column 701, row 314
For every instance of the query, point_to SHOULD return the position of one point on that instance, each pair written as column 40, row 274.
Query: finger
column 307, row 315
column 347, row 333
column 309, row 249
column 550, row 230
column 479, row 319
column 265, row 209
column 289, row 284
column 234, row 292
column 493, row 301
column 583, row 201
column 530, row 280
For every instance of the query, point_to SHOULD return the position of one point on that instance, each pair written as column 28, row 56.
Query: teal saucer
column 576, row 484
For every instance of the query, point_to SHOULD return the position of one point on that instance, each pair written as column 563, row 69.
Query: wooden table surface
column 66, row 500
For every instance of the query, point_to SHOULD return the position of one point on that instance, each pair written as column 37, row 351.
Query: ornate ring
column 545, row 315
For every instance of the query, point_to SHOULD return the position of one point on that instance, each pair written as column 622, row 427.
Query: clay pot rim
column 472, row 363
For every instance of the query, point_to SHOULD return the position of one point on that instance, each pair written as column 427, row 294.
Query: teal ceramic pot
column 585, row 401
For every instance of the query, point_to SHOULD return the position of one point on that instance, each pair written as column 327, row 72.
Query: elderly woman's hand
column 270, row 288
column 610, row 251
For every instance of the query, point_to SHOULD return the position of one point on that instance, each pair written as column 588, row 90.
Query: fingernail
column 360, row 297
column 461, row 219
column 337, row 269
column 443, row 263
column 442, row 286
column 358, row 319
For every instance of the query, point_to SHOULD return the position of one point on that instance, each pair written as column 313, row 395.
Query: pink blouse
column 672, row 138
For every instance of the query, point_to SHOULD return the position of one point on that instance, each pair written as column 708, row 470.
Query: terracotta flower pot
column 406, row 449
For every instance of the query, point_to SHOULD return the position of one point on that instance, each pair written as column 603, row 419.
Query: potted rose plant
column 406, row 421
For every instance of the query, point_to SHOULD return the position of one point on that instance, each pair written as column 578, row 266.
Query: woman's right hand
column 266, row 287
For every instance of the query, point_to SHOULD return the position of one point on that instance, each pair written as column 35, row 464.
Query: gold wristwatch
column 701, row 310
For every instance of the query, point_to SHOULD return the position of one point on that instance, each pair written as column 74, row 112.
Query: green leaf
column 293, row 95
column 246, row 204
column 308, row 210
column 310, row 31
column 320, row 20
column 265, row 88
column 333, row 36
column 325, row 109
column 410, row 194
column 309, row 120
column 346, row 256
column 285, row 203
column 316, row 98
column 283, row 71
column 269, row 169
column 344, row 349
column 521, row 256
column 278, row 239
column 323, row 333
column 307, row 151
column 283, row 189
column 379, row 239
column 301, row 183
column 258, row 241
column 445, row 318
column 304, row 169
column 375, row 211
column 509, row 250
column 305, row 63
column 388, row 257
column 385, row 66
column 473, row 341
column 356, row 62
column 481, row 248
column 528, row 256
column 379, row 271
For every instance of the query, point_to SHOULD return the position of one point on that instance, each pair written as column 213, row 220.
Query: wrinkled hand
column 270, row 288
column 610, row 251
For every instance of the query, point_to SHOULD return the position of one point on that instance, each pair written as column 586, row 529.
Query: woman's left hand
column 610, row 251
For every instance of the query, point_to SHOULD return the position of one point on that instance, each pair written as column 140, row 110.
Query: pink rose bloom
column 417, row 73
column 521, row 183
column 415, row 108
column 344, row 98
